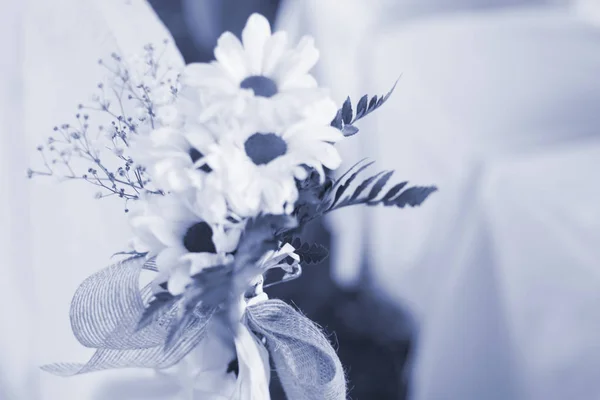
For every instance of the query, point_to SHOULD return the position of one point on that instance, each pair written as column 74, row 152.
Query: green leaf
column 342, row 188
column 361, row 108
column 347, row 111
column 389, row 93
column 372, row 104
column 378, row 186
column 337, row 121
column 315, row 254
column 212, row 287
column 414, row 196
column 392, row 192
column 349, row 130
column 176, row 330
column 219, row 286
column 260, row 236
column 364, row 184
column 155, row 308
column 309, row 253
column 341, row 178
column 133, row 253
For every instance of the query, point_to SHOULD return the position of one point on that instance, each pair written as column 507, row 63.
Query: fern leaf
column 364, row 184
column 343, row 187
column 361, row 107
column 177, row 329
column 379, row 185
column 349, row 130
column 372, row 104
column 395, row 196
column 345, row 118
column 387, row 198
column 414, row 196
column 337, row 121
column 347, row 111
column 309, row 253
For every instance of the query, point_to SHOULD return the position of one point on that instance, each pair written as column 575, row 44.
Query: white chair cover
column 499, row 265
column 509, row 303
column 54, row 235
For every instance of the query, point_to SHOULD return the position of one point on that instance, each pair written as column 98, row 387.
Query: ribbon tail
column 105, row 312
column 254, row 369
column 306, row 363
column 153, row 357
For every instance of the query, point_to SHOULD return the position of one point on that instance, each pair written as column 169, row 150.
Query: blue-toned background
column 489, row 291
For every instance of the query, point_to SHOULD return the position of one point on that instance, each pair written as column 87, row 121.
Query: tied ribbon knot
column 106, row 309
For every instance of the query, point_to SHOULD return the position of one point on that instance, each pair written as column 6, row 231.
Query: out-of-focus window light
column 588, row 10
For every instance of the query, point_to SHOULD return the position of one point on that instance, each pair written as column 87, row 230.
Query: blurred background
column 490, row 290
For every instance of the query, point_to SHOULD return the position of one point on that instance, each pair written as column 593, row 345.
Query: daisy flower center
column 198, row 239
column 195, row 155
column 262, row 148
column 261, row 85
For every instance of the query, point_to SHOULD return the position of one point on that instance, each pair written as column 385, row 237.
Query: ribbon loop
column 307, row 364
column 104, row 315
column 108, row 305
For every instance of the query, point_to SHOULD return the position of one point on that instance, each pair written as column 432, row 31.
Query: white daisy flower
column 259, row 74
column 174, row 229
column 258, row 166
column 222, row 367
column 175, row 160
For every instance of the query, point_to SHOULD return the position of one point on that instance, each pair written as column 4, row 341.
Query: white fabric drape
column 341, row 30
column 53, row 235
column 17, row 379
column 510, row 303
column 498, row 107
column 346, row 33
column 512, row 81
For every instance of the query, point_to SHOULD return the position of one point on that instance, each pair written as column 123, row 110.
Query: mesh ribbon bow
column 107, row 307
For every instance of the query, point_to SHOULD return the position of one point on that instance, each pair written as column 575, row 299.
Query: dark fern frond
column 413, row 196
column 345, row 118
column 340, row 188
column 156, row 308
column 310, row 253
column 397, row 196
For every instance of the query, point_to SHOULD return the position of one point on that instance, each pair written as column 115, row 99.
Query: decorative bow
column 107, row 307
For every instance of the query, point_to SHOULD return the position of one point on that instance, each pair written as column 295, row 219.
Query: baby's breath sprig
column 130, row 100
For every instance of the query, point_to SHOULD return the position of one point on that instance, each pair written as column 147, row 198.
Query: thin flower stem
column 128, row 181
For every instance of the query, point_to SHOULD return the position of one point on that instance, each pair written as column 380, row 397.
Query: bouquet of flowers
column 220, row 166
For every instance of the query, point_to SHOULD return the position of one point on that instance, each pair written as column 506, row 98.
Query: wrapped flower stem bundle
column 220, row 166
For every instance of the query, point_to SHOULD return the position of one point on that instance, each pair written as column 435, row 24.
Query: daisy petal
column 327, row 155
column 298, row 132
column 199, row 261
column 300, row 173
column 306, row 81
column 254, row 36
column 144, row 229
column 207, row 75
column 231, row 56
column 327, row 134
column 274, row 49
column 178, row 280
column 334, row 160
column 299, row 62
column 322, row 111
column 169, row 258
column 226, row 241
column 163, row 232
